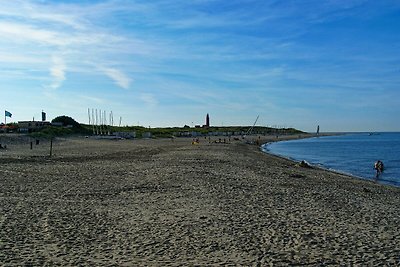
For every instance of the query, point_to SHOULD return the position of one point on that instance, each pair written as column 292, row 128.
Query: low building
column 7, row 128
column 125, row 135
column 31, row 126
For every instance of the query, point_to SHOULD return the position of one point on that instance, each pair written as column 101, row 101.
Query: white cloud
column 12, row 58
column 118, row 76
column 25, row 33
column 22, row 32
column 27, row 10
column 57, row 71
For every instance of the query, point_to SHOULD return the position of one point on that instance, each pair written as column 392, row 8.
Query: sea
column 352, row 153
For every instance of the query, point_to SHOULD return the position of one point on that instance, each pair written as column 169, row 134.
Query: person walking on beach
column 378, row 166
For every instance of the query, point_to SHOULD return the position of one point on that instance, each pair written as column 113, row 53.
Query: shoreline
column 322, row 167
column 172, row 203
column 327, row 169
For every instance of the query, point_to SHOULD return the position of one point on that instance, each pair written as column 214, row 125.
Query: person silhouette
column 378, row 166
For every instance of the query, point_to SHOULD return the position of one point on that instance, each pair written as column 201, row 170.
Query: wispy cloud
column 120, row 78
column 35, row 11
column 238, row 55
column 57, row 71
column 21, row 32
column 12, row 58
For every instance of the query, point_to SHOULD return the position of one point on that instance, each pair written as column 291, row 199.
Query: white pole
column 101, row 122
column 105, row 122
column 251, row 129
column 93, row 122
column 97, row 123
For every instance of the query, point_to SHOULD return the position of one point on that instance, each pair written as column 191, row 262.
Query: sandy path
column 158, row 203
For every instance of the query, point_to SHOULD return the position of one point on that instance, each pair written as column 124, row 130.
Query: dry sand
column 164, row 203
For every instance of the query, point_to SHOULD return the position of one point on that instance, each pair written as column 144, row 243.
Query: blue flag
column 8, row 114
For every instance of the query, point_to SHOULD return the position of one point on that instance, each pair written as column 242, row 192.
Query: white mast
column 97, row 123
column 251, row 128
column 94, row 132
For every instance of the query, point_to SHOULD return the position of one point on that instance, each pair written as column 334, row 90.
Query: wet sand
column 171, row 203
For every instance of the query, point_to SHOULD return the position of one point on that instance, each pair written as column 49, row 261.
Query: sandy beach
column 164, row 202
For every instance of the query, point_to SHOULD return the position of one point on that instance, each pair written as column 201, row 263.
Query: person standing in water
column 378, row 166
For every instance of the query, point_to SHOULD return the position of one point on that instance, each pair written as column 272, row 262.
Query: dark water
column 353, row 154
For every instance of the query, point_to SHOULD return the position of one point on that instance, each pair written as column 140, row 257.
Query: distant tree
column 65, row 120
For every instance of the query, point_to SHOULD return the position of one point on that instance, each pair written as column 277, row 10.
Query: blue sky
column 168, row 63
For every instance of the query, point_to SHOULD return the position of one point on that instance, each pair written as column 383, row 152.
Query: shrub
column 65, row 120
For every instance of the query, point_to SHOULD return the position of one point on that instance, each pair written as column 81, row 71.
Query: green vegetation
column 65, row 120
column 173, row 131
column 168, row 132
column 51, row 131
column 68, row 126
